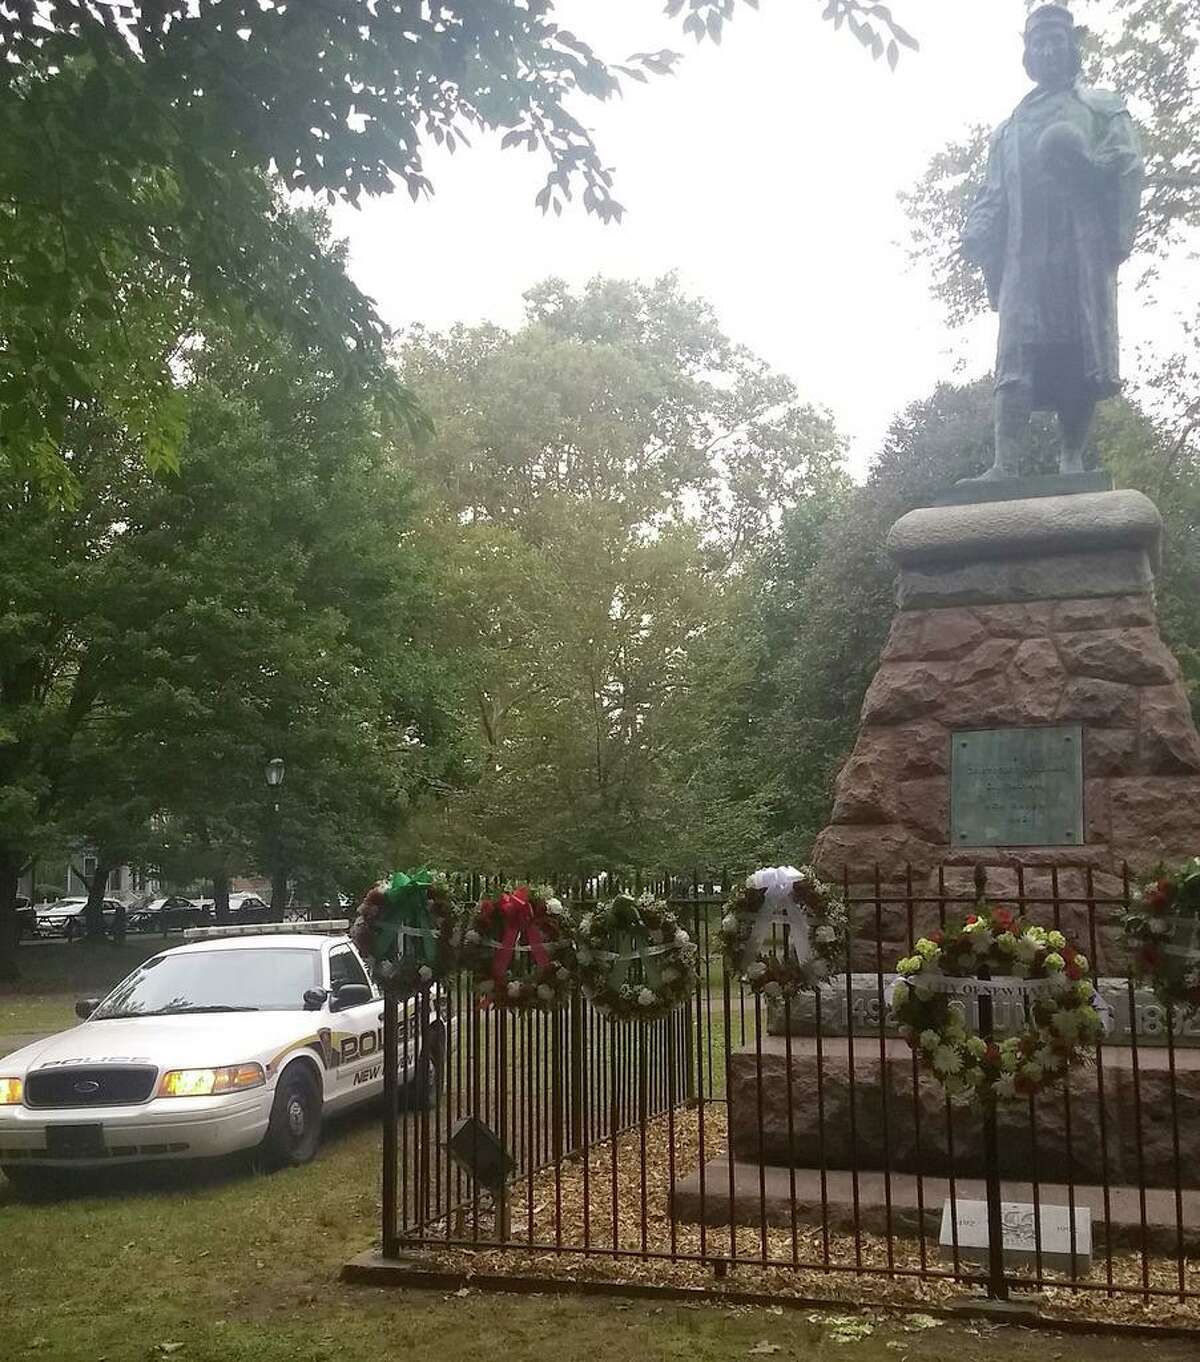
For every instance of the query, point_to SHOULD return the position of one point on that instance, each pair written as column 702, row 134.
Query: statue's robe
column 1050, row 245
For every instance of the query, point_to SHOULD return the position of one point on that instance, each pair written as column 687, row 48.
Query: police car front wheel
column 294, row 1131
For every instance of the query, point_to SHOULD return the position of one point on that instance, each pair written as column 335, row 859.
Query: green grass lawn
column 217, row 1263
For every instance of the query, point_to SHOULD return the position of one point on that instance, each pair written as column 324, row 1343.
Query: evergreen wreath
column 519, row 948
column 404, row 929
column 1162, row 929
column 1065, row 1017
column 817, row 929
column 634, row 958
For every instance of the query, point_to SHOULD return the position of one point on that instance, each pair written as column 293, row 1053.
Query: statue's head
column 1052, row 56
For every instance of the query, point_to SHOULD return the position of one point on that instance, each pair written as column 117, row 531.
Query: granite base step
column 853, row 1103
column 775, row 1196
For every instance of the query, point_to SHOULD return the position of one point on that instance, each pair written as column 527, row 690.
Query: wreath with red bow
column 1162, row 929
column 519, row 948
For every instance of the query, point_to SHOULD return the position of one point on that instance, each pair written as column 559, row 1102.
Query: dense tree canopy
column 603, row 478
column 147, row 147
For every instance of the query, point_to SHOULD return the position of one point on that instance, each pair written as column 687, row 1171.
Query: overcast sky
column 766, row 172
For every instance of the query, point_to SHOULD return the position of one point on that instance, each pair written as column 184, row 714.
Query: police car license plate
column 75, row 1141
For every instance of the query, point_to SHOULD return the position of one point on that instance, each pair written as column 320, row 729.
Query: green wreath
column 404, row 929
column 634, row 958
column 1066, row 1018
column 1162, row 929
column 519, row 949
column 817, row 930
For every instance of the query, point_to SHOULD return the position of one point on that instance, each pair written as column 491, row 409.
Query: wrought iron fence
column 803, row 1135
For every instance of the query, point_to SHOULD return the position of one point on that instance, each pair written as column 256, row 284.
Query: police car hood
column 198, row 1040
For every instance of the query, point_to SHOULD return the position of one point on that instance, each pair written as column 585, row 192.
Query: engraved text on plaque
column 1017, row 787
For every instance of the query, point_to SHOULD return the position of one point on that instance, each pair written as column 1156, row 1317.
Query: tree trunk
column 220, row 884
column 10, row 872
column 93, row 913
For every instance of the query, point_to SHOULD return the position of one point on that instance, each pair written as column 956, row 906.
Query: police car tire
column 297, row 1098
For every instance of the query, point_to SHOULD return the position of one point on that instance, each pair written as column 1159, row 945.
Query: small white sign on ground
column 1020, row 1241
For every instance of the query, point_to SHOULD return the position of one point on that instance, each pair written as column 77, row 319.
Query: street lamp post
column 274, row 773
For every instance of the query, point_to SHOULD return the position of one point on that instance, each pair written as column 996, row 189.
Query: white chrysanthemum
column 1026, row 948
column 1159, row 926
column 472, row 937
column 425, row 974
column 647, row 998
column 930, row 1040
column 545, row 993
column 825, row 934
column 756, row 971
column 554, row 906
column 585, row 923
column 729, row 924
column 682, row 938
column 514, row 989
column 947, row 1060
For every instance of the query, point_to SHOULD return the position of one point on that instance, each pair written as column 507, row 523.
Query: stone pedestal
column 1017, row 613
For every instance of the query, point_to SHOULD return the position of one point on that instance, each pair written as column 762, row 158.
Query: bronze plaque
column 1017, row 787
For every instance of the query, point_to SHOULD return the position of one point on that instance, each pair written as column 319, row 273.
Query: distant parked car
column 172, row 913
column 243, row 909
column 65, row 917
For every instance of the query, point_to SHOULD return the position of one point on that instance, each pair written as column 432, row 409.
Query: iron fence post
column 391, row 1105
column 575, row 1066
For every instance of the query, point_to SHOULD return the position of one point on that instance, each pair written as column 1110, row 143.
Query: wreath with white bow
column 634, row 958
column 787, row 930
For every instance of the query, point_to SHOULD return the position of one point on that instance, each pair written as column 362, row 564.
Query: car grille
column 114, row 1086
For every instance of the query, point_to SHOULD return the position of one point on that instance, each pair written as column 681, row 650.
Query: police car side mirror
column 314, row 999
column 351, row 995
column 85, row 1007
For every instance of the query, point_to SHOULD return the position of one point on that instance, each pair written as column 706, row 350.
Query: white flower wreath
column 634, row 958
column 812, row 913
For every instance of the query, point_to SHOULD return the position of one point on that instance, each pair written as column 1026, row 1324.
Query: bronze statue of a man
column 1054, row 221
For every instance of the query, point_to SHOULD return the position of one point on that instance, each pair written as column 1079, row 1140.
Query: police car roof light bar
column 331, row 925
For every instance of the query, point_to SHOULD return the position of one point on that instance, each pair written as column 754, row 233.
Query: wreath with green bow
column 404, row 929
column 635, row 960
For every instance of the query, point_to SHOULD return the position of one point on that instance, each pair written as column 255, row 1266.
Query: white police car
column 243, row 1037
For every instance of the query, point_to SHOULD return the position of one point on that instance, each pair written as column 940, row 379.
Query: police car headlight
column 11, row 1092
column 210, row 1082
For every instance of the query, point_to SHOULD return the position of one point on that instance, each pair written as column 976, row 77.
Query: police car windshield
column 267, row 980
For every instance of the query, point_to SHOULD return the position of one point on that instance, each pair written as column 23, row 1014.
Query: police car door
column 356, row 1039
